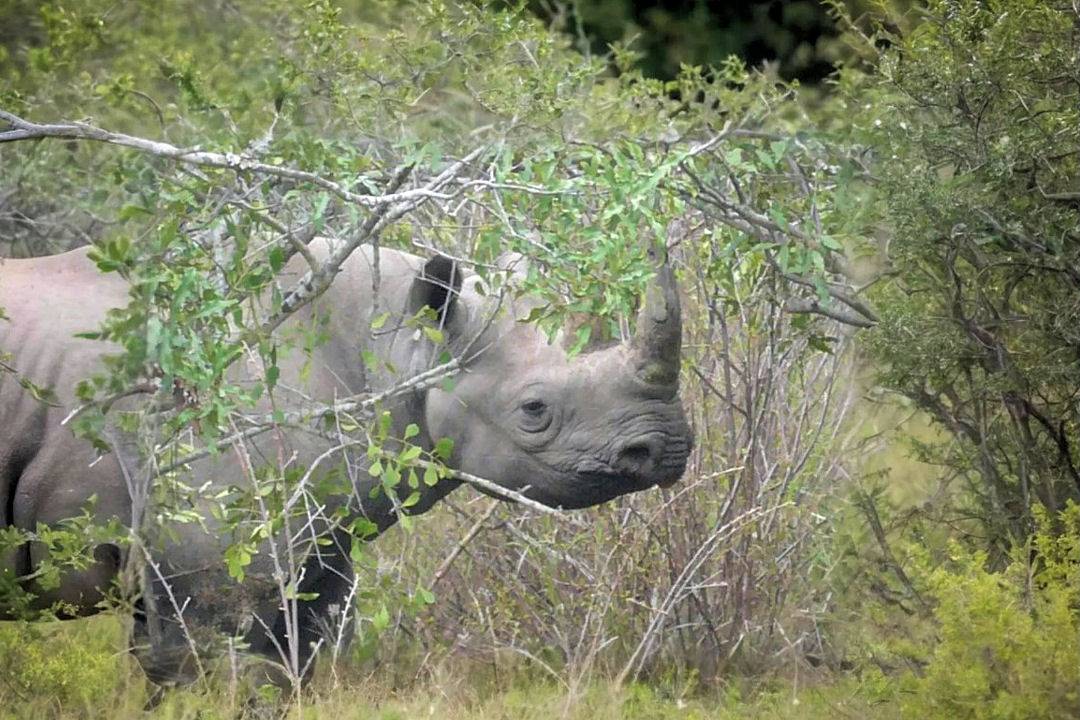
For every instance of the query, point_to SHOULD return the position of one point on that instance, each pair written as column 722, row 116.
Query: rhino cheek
column 479, row 448
column 445, row 416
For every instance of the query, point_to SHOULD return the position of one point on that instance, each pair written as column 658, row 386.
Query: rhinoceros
column 565, row 431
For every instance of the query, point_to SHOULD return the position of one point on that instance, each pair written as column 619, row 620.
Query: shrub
column 59, row 666
column 1009, row 641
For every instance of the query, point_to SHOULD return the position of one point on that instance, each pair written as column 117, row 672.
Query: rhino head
column 566, row 431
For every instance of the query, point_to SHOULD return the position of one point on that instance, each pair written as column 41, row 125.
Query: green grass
column 601, row 701
column 79, row 670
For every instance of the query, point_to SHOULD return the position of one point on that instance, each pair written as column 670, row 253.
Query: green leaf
column 237, row 557
column 364, row 529
column 319, row 217
column 581, row 339
column 381, row 619
column 831, row 243
column 379, row 320
column 44, row 395
column 435, row 335
column 391, row 476
column 276, row 258
column 444, row 448
column 385, row 421
column 431, row 476
column 820, row 343
column 130, row 211
column 777, row 148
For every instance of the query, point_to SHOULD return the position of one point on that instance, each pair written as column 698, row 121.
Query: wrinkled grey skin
column 567, row 432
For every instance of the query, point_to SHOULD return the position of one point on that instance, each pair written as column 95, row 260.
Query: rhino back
column 47, row 300
column 45, row 472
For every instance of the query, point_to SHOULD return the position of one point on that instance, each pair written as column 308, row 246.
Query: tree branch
column 315, row 282
column 812, row 306
column 261, row 424
column 237, row 162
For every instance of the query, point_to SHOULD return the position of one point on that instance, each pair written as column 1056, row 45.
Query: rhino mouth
column 625, row 482
column 615, row 481
column 593, row 483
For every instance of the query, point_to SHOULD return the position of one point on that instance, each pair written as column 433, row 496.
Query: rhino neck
column 337, row 369
column 381, row 510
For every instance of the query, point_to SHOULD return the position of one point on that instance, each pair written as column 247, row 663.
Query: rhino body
column 566, row 432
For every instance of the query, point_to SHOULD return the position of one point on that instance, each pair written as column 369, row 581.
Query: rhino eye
column 536, row 416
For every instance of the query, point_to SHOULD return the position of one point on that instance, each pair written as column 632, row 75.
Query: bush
column 58, row 666
column 1009, row 641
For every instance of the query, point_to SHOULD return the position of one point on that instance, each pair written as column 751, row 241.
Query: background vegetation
column 800, row 38
column 881, row 355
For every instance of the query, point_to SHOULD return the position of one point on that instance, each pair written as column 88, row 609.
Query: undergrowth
column 1002, row 645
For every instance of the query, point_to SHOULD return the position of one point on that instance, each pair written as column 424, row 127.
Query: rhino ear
column 436, row 286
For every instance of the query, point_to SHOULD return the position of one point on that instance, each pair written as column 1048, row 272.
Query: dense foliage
column 800, row 37
column 975, row 119
column 1008, row 641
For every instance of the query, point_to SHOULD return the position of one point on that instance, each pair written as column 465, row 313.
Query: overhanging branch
column 238, row 162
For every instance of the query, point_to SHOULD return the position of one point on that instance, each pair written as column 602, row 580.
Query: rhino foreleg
column 14, row 561
column 162, row 640
column 179, row 628
column 329, row 576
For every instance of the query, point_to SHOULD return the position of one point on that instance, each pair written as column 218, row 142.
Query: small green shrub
column 61, row 667
column 1009, row 641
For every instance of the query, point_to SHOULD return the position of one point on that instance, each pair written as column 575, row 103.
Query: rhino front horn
column 658, row 337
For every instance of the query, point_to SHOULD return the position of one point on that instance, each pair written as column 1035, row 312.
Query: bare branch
column 493, row 489
column 314, row 283
column 237, row 162
column 421, row 381
column 444, row 566
column 835, row 291
column 814, row 307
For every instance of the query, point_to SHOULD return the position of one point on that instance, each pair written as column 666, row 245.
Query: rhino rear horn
column 658, row 339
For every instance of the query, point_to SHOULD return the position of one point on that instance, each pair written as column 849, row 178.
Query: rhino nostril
column 636, row 456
